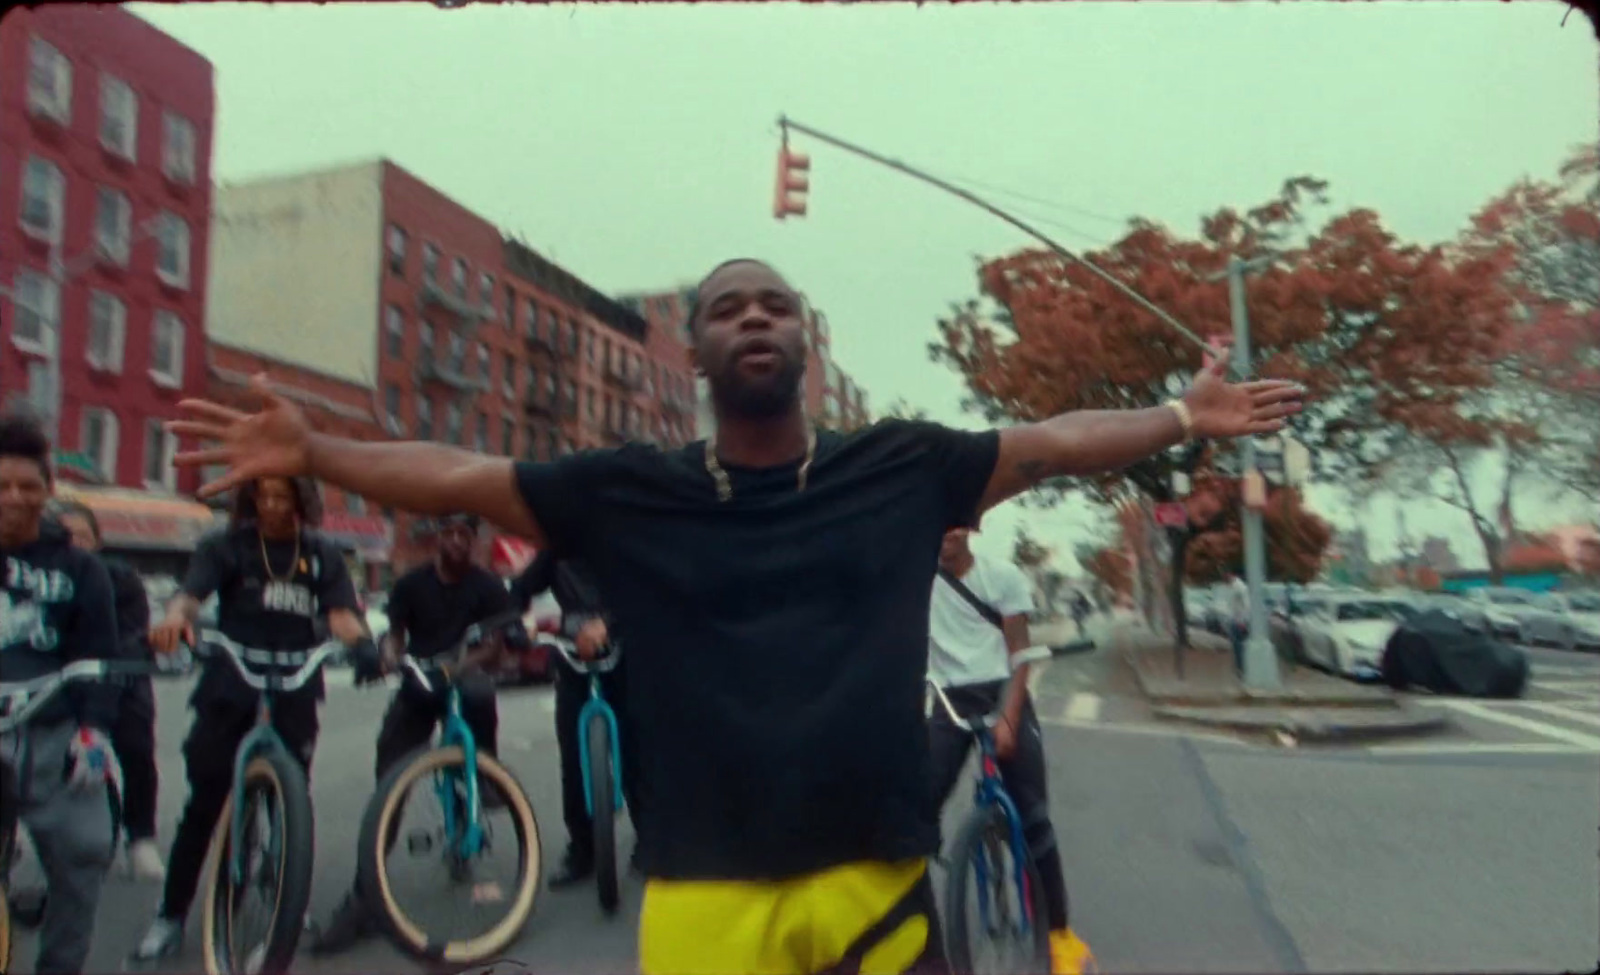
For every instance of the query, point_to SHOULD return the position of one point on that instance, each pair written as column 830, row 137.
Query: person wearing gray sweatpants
column 56, row 608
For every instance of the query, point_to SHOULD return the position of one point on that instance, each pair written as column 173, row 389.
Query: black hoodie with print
column 56, row 607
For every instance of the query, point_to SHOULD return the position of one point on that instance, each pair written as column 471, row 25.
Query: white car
column 1566, row 620
column 1347, row 634
column 1505, row 608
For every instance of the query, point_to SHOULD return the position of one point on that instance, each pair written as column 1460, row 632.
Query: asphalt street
column 1184, row 852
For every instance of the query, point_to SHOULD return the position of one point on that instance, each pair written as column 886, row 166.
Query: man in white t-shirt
column 971, row 636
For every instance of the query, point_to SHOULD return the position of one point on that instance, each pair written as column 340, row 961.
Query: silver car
column 1564, row 620
column 1506, row 609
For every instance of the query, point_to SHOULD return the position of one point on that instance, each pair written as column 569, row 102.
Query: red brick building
column 105, row 193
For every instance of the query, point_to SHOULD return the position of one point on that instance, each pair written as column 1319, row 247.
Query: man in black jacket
column 583, row 620
column 134, row 735
column 56, row 608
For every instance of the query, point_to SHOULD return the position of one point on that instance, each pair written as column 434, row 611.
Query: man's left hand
column 1220, row 409
column 1005, row 739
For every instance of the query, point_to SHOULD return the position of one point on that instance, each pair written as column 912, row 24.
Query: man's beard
column 764, row 399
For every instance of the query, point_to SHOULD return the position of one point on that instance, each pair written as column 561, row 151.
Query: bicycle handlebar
column 1022, row 658
column 602, row 664
column 21, row 700
column 213, row 643
column 497, row 625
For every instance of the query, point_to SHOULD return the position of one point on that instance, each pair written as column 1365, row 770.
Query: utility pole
column 1260, row 660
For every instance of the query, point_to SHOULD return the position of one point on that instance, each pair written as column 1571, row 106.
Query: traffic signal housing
column 790, row 196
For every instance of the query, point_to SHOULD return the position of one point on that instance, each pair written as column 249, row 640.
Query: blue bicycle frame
column 991, row 791
column 468, row 842
column 597, row 705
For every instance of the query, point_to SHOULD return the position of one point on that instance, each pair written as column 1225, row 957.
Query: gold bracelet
column 1185, row 418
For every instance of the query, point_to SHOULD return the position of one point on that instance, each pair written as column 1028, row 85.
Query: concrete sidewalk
column 1312, row 706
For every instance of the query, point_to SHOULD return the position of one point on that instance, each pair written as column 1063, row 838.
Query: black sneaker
column 348, row 927
column 575, row 869
column 163, row 940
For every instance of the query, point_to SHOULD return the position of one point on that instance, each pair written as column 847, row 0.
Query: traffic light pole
column 786, row 123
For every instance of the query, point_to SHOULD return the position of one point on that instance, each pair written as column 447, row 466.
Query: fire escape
column 449, row 367
column 549, row 354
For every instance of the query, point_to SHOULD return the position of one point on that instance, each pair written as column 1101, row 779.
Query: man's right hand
column 591, row 639
column 166, row 635
column 276, row 442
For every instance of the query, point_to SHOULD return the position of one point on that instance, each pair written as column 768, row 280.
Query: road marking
column 1480, row 748
column 1591, row 672
column 1082, row 708
column 1537, row 727
column 1152, row 730
column 1568, row 686
column 1562, row 711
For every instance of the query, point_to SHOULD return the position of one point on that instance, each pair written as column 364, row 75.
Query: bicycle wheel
column 602, row 796
column 382, row 820
column 279, row 833
column 986, row 833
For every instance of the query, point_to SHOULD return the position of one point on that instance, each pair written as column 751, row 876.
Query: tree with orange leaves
column 1534, row 427
column 1297, row 538
column 1384, row 335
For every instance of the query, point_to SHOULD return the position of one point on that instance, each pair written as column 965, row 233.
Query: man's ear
column 692, row 356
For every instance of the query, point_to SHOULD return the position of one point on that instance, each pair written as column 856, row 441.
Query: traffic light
column 790, row 197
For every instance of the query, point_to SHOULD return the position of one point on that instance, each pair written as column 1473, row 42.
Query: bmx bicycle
column 458, row 772
column 600, row 758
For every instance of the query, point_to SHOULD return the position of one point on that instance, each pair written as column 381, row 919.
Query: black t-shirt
column 266, row 607
column 433, row 615
column 777, row 642
column 55, row 608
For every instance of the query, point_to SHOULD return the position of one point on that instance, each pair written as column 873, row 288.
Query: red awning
column 509, row 556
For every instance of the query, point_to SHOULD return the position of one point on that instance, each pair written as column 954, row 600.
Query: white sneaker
column 144, row 861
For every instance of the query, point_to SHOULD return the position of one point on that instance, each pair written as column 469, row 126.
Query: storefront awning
column 509, row 556
column 370, row 536
column 141, row 520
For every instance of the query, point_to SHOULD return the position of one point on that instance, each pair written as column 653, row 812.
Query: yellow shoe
column 1070, row 955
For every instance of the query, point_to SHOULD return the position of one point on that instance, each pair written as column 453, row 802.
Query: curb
column 1251, row 699
column 1311, row 731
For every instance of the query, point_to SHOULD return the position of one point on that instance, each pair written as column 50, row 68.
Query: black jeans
column 219, row 726
column 133, row 737
column 572, row 693
column 1024, row 774
column 413, row 713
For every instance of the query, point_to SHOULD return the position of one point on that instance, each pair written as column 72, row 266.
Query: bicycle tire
column 602, row 796
column 958, row 940
column 373, row 875
column 278, row 770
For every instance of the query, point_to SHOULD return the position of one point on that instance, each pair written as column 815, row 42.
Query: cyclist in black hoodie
column 56, row 608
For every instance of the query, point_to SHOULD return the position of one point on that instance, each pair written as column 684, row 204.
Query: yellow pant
column 878, row 914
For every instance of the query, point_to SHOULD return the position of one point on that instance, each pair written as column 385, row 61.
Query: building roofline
column 529, row 265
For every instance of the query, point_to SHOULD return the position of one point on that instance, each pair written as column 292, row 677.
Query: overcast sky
column 635, row 144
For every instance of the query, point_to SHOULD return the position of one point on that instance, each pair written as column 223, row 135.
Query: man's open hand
column 1221, row 409
column 275, row 442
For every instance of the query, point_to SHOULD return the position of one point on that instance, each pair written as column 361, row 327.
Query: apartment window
column 530, row 319
column 430, row 263
column 572, row 394
column 452, row 424
column 458, row 352
column 588, row 336
column 425, row 336
column 483, row 362
column 391, row 402
column 606, row 411
column 458, row 277
column 397, row 250
column 480, row 435
column 38, row 312
column 572, row 337
column 113, row 225
column 49, row 81
column 605, row 353
column 119, row 116
column 108, row 325
column 172, row 255
column 97, row 439
column 160, row 444
column 508, row 375
column 44, row 197
column 166, row 349
column 177, row 147
column 394, row 329
column 549, row 386
column 552, row 445
column 508, row 438
column 486, row 289
column 533, row 380
column 590, row 394
column 424, row 419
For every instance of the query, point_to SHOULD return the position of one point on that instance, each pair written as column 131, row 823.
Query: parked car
column 1565, row 620
column 1464, row 611
column 1505, row 607
column 1347, row 634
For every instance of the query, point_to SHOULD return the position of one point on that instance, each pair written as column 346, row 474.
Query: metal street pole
column 1260, row 661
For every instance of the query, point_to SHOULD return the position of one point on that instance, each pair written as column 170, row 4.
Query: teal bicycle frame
column 595, row 705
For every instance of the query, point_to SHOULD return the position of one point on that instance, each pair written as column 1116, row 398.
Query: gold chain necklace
column 720, row 476
column 267, row 562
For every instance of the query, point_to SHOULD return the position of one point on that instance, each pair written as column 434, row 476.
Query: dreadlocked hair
column 22, row 435
column 307, row 502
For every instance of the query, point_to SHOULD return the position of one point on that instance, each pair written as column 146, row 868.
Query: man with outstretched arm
column 774, row 584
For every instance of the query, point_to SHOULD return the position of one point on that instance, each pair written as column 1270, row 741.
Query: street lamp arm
column 993, row 210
